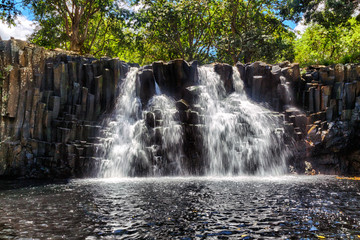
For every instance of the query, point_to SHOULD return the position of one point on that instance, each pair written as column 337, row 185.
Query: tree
column 326, row 13
column 321, row 45
column 252, row 30
column 213, row 30
column 73, row 24
column 180, row 28
column 8, row 11
column 204, row 30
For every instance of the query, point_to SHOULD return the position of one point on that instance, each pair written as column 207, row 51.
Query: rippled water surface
column 182, row 208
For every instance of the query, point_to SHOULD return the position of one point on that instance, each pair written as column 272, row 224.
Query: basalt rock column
column 51, row 106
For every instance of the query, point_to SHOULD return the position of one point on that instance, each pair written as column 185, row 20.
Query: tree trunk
column 74, row 45
column 247, row 57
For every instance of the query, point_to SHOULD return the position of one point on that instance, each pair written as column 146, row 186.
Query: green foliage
column 327, row 13
column 8, row 11
column 179, row 29
column 320, row 45
column 205, row 30
column 72, row 25
column 252, row 30
column 213, row 30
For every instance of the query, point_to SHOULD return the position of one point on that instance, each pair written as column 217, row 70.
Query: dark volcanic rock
column 145, row 85
column 225, row 71
column 173, row 77
column 52, row 104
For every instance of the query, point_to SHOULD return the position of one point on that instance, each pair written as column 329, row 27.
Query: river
column 287, row 207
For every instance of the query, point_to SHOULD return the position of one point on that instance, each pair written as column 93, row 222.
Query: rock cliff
column 53, row 104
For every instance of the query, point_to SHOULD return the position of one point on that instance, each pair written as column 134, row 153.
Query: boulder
column 338, row 90
column 150, row 119
column 13, row 94
column 317, row 100
column 350, row 73
column 256, row 92
column 325, row 96
column 191, row 94
column 241, row 68
column 311, row 100
column 182, row 105
column 301, row 122
column 346, row 115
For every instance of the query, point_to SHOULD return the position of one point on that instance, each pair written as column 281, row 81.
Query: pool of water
column 289, row 207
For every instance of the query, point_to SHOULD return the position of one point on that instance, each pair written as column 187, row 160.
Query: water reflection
column 179, row 208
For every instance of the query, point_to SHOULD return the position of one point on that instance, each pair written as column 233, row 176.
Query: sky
column 23, row 28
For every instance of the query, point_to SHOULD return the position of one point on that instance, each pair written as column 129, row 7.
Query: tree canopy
column 229, row 31
column 323, row 12
column 321, row 45
column 73, row 24
column 8, row 11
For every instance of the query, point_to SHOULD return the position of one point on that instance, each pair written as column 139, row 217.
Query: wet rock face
column 145, row 85
column 226, row 72
column 173, row 77
column 329, row 96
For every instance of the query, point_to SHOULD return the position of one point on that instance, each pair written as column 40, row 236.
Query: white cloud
column 300, row 27
column 24, row 27
column 128, row 6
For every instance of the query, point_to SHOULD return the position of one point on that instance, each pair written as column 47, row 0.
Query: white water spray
column 130, row 146
column 240, row 136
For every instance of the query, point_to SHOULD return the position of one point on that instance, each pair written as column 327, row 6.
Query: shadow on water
column 27, row 183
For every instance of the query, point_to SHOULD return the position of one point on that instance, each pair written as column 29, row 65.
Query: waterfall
column 236, row 136
column 157, row 89
column 284, row 88
column 122, row 143
column 240, row 136
column 139, row 141
column 166, row 148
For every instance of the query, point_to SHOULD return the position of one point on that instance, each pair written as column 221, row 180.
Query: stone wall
column 51, row 105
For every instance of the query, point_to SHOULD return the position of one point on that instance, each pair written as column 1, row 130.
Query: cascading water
column 140, row 142
column 121, row 143
column 240, row 136
column 166, row 150
column 237, row 136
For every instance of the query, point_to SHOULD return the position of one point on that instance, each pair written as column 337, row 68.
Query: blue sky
column 291, row 24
